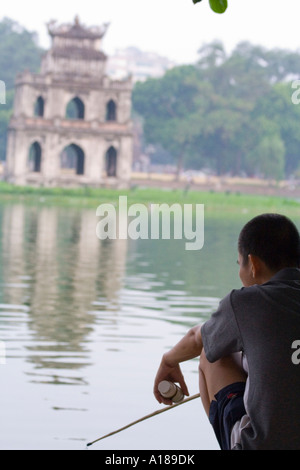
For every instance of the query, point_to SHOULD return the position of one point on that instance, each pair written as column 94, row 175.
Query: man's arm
column 189, row 346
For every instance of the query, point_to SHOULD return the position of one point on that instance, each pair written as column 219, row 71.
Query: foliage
column 218, row 6
column 230, row 113
column 18, row 51
column 170, row 109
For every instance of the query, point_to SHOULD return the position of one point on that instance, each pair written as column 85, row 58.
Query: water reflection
column 59, row 282
column 53, row 268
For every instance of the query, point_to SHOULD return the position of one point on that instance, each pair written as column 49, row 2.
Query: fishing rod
column 155, row 413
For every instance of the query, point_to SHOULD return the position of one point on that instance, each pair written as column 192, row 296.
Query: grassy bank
column 217, row 203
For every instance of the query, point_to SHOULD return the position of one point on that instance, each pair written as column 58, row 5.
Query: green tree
column 267, row 154
column 5, row 115
column 18, row 51
column 224, row 111
column 169, row 108
column 277, row 107
column 267, row 157
column 237, row 82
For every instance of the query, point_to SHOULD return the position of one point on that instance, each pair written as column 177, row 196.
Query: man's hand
column 172, row 373
column 189, row 347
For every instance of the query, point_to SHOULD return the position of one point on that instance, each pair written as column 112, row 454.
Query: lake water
column 84, row 323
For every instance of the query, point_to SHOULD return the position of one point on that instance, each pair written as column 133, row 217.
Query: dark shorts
column 226, row 410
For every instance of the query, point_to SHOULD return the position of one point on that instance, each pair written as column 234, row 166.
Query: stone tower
column 71, row 124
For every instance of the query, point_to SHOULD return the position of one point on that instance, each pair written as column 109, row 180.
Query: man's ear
column 256, row 265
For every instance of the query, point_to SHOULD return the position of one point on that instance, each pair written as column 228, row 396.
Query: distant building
column 71, row 123
column 140, row 64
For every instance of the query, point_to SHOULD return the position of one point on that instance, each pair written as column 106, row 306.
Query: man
column 249, row 373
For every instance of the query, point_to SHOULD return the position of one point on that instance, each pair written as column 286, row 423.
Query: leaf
column 197, row 1
column 218, row 6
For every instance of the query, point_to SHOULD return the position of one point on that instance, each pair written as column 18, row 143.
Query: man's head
column 266, row 244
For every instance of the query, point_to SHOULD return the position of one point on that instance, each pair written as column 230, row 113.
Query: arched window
column 72, row 160
column 35, row 158
column 111, row 162
column 111, row 111
column 39, row 107
column 75, row 109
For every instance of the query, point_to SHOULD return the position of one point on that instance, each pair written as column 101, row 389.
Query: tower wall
column 72, row 72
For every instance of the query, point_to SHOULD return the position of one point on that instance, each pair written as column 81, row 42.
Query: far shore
column 221, row 197
column 286, row 188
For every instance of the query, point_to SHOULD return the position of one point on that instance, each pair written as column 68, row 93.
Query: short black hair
column 273, row 238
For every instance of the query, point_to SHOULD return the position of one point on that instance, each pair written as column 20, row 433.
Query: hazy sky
column 172, row 28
